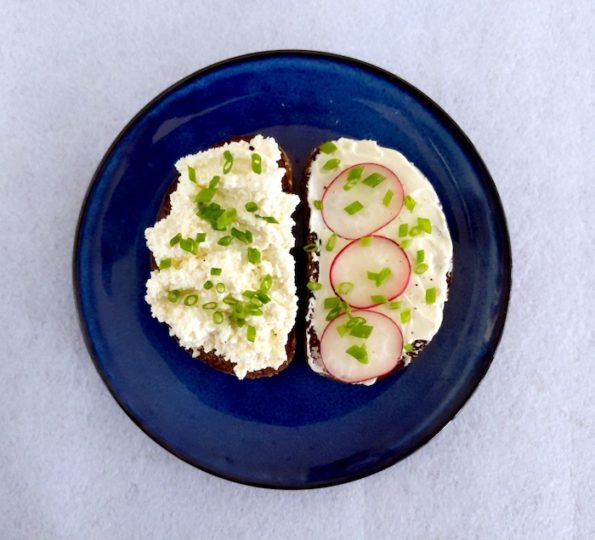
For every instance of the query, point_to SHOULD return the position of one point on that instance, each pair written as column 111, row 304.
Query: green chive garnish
column 395, row 305
column 361, row 331
column 256, row 163
column 241, row 235
column 251, row 206
column 359, row 352
column 191, row 299
column 314, row 285
column 214, row 182
column 226, row 218
column 251, row 333
column 175, row 239
column 208, row 284
column 189, row 245
column 331, row 164
column 405, row 316
column 342, row 329
column 253, row 255
column 228, row 164
column 218, row 317
column 378, row 299
column 388, row 197
column 355, row 321
column 365, row 241
column 403, row 230
column 309, row 248
column 421, row 268
column 331, row 302
column 173, row 296
column 209, row 305
column 415, row 231
column 328, row 147
column 200, row 237
column 409, row 203
column 374, row 179
column 205, row 195
column 317, row 204
column 230, row 300
column 330, row 243
column 353, row 177
column 164, row 263
column 220, row 288
column 334, row 313
column 266, row 283
column 216, row 271
column 431, row 295
column 424, row 224
column 408, row 347
column 353, row 208
column 420, row 256
column 225, row 240
column 405, row 243
column 192, row 174
column 268, row 219
column 345, row 287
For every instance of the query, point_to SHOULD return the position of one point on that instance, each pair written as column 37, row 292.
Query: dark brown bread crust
column 211, row 358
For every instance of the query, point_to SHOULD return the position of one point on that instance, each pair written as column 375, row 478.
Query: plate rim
column 451, row 126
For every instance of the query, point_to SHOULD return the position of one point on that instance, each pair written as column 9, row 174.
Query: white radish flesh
column 377, row 190
column 350, row 271
column 384, row 348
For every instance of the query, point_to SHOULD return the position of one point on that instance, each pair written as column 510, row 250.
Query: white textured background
column 518, row 461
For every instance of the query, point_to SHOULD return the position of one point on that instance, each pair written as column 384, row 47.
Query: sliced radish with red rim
column 361, row 200
column 368, row 271
column 353, row 359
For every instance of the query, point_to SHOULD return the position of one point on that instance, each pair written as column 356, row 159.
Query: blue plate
column 295, row 430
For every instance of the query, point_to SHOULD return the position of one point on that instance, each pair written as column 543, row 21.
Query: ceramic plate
column 295, row 430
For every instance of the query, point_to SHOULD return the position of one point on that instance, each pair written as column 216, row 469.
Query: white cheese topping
column 425, row 318
column 194, row 325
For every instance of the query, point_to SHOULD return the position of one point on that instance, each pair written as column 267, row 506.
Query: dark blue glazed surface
column 295, row 430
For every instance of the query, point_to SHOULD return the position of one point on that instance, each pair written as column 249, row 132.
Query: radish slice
column 359, row 271
column 378, row 192
column 384, row 348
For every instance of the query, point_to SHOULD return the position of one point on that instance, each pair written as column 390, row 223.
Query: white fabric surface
column 518, row 461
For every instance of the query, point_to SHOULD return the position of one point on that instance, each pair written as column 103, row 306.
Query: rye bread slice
column 211, row 358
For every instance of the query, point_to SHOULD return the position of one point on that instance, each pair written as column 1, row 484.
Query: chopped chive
column 403, row 230
column 405, row 243
column 334, row 313
column 331, row 302
column 408, row 347
column 410, row 203
column 225, row 240
column 345, row 287
column 353, row 177
column 317, row 204
column 378, row 299
column 230, row 300
column 173, row 296
column 253, row 255
column 365, row 241
column 240, row 235
column 189, row 245
column 359, row 352
column 330, row 243
column 249, row 236
column 192, row 174
column 265, row 299
column 268, row 219
column 374, row 179
column 216, row 271
column 228, row 163
column 383, row 275
column 342, row 329
column 331, row 164
column 191, row 299
column 355, row 321
column 314, row 285
column 361, row 331
column 431, row 295
column 251, row 334
column 421, row 268
column 266, row 283
column 209, row 305
column 309, row 248
column 328, row 147
column 405, row 316
column 395, row 305
column 220, row 288
column 415, row 231
column 225, row 219
column 205, row 195
column 251, row 206
column 424, row 224
column 218, row 317
column 388, row 197
column 208, row 284
column 175, row 239
column 256, row 162
column 164, row 263
column 200, row 237
column 214, row 182
column 420, row 256
column 353, row 208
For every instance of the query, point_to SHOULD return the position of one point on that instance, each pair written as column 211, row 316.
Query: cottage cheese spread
column 171, row 290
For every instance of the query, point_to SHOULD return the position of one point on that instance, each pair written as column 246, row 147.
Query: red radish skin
column 353, row 262
column 383, row 356
column 368, row 222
